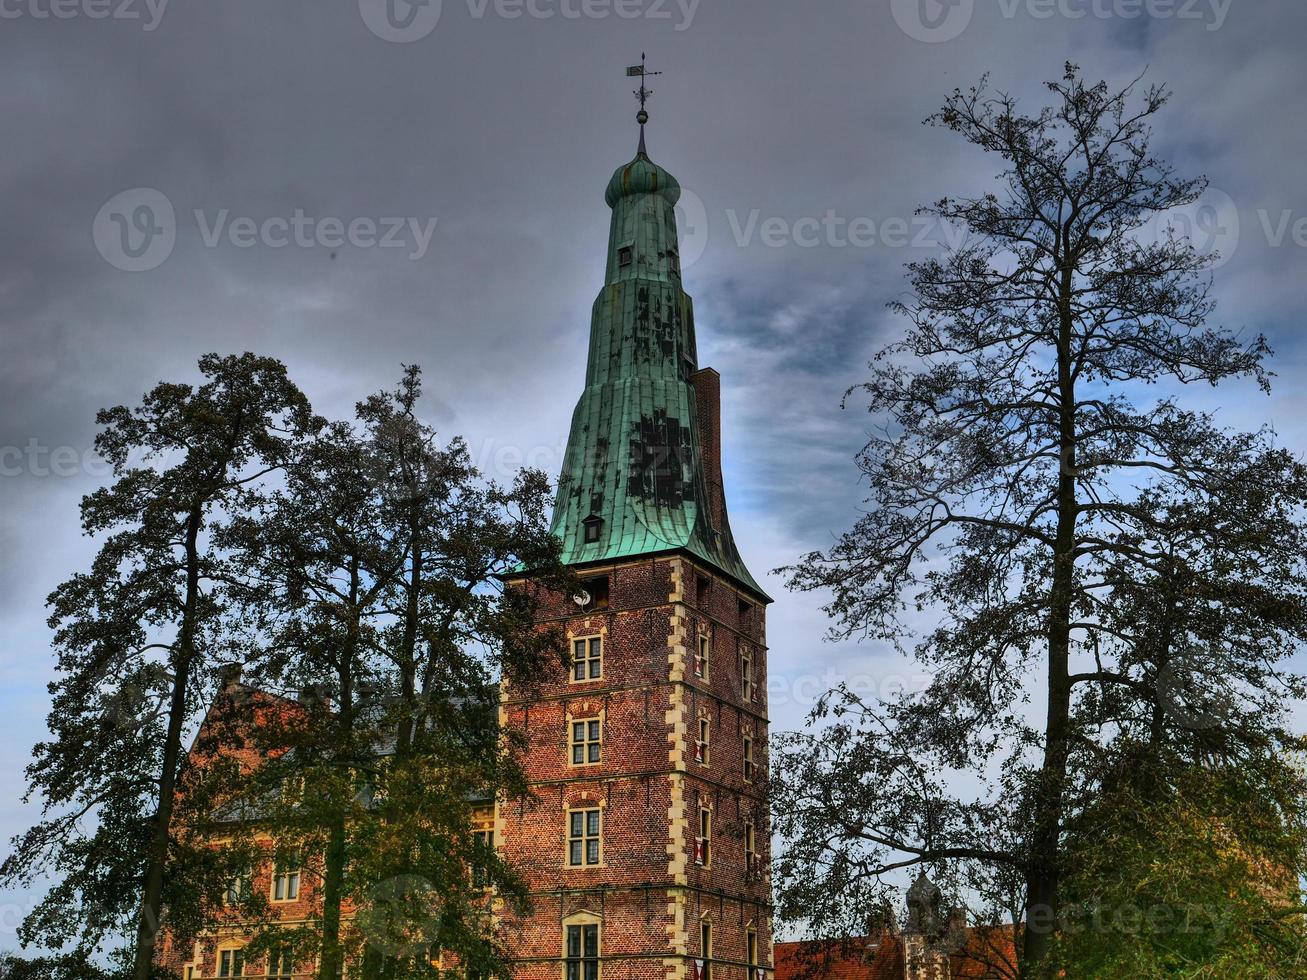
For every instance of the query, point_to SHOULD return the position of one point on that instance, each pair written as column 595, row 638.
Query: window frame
column 703, row 839
column 750, row 847
column 281, row 960
column 625, row 256
column 702, row 752
column 751, row 954
column 480, row 873
column 588, row 814
column 748, row 767
column 290, row 869
column 705, row 949
column 236, row 962
column 240, row 885
column 587, row 643
column 587, row 964
column 703, row 657
column 746, row 677
column 591, row 743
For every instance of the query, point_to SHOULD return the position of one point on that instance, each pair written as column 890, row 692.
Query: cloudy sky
column 350, row 186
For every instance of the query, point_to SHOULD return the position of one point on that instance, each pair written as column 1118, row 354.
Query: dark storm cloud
column 787, row 123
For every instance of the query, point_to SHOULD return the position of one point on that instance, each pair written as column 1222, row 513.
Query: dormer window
column 594, row 526
column 625, row 255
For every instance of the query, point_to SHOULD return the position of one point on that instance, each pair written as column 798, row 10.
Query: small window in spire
column 625, row 255
column 674, row 262
column 593, row 526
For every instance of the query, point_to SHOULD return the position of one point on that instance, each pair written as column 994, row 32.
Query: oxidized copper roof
column 633, row 478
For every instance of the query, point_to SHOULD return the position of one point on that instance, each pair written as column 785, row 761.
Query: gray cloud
column 505, row 131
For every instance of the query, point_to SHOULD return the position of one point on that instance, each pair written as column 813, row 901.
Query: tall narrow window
column 751, row 953
column 231, row 963
column 281, row 965
column 624, row 255
column 746, row 677
column 701, row 657
column 586, row 742
column 703, row 843
column 701, row 745
column 480, row 865
column 238, row 887
column 286, row 880
column 748, row 758
column 583, row 838
column 705, row 950
column 582, row 953
column 588, row 658
column 750, row 847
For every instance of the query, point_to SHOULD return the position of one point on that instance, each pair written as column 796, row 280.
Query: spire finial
column 641, row 72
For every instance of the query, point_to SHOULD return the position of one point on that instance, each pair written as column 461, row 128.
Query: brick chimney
column 707, row 385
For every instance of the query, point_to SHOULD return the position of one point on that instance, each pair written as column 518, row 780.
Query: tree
column 139, row 636
column 373, row 577
column 1179, row 869
column 456, row 633
column 1028, row 487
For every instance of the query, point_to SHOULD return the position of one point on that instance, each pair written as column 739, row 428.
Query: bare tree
column 1026, row 482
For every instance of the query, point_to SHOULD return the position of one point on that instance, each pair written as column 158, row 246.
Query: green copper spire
column 642, row 473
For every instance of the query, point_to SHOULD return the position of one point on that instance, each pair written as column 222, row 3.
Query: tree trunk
column 333, row 872
column 1044, row 871
column 333, row 887
column 147, row 928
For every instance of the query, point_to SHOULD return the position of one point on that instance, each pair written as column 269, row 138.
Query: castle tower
column 645, row 847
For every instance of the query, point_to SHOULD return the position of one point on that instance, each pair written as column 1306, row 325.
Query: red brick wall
column 648, row 785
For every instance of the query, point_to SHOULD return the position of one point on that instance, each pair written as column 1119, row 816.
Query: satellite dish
column 582, row 598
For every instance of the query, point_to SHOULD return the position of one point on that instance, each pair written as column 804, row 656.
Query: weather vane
column 642, row 93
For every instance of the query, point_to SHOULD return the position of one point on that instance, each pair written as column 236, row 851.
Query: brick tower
column 645, row 847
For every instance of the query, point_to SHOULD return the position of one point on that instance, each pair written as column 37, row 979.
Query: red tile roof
column 989, row 954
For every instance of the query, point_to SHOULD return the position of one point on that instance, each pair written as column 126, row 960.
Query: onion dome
column 642, row 176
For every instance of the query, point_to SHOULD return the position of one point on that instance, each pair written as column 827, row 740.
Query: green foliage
column 1184, row 869
column 373, row 582
column 354, row 574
